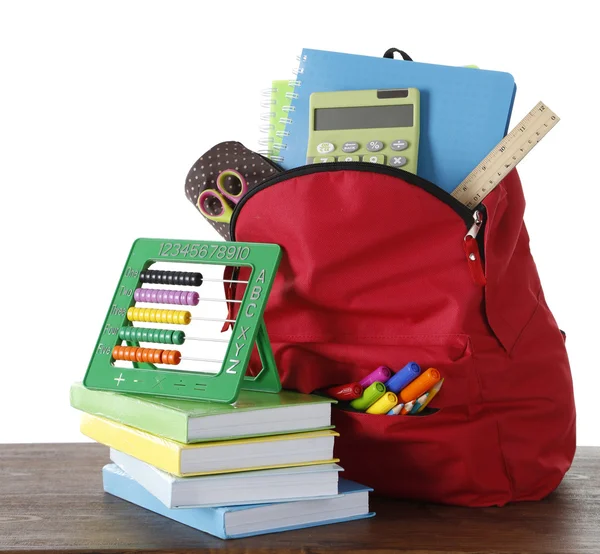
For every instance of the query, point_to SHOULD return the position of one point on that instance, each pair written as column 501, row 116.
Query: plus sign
column 119, row 379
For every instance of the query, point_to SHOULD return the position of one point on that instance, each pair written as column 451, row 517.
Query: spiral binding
column 271, row 148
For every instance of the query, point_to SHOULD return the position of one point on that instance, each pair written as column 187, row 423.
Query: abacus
column 120, row 363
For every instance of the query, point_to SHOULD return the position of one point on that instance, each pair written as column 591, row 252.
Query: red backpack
column 379, row 268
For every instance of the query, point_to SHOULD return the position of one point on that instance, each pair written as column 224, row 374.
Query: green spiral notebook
column 277, row 101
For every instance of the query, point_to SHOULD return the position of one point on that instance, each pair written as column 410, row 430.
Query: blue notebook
column 465, row 111
column 351, row 503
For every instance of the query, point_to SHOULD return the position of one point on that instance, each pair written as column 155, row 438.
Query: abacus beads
column 143, row 334
column 149, row 355
column 159, row 296
column 161, row 277
column 154, row 315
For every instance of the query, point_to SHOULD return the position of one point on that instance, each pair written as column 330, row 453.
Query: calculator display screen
column 363, row 117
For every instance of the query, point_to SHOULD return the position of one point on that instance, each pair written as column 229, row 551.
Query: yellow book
column 297, row 449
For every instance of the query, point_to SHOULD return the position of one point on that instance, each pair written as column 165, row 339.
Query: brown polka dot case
column 221, row 177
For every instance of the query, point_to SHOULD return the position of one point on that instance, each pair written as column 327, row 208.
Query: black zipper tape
column 465, row 213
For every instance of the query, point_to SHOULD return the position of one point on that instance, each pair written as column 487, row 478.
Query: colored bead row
column 161, row 277
column 159, row 296
column 143, row 334
column 149, row 355
column 153, row 315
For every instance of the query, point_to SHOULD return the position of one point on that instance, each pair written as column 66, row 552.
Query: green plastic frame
column 249, row 328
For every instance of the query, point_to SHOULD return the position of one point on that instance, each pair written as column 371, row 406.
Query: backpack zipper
column 471, row 248
column 465, row 213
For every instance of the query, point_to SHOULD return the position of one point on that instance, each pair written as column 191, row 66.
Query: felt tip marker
column 345, row 392
column 420, row 385
column 381, row 374
column 370, row 395
column 384, row 404
column 403, row 377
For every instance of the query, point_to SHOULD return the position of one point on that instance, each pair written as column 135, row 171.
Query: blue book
column 231, row 522
column 465, row 111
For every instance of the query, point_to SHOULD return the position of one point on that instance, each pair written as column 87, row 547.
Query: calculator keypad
column 371, row 152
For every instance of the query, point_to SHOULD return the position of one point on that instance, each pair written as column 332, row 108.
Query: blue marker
column 403, row 377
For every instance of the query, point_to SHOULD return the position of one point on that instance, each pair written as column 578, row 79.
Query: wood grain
column 51, row 500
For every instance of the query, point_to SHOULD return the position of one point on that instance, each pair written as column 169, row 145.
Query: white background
column 104, row 106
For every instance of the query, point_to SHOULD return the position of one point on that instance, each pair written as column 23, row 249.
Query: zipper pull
column 471, row 249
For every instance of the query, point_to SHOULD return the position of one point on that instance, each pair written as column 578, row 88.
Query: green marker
column 370, row 395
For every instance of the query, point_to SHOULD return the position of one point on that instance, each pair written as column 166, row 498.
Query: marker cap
column 381, row 374
column 384, row 404
column 345, row 392
column 370, row 395
column 420, row 385
column 403, row 377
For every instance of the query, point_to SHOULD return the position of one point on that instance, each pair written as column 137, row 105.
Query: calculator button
column 397, row 161
column 399, row 145
column 324, row 160
column 325, row 148
column 348, row 158
column 350, row 147
column 375, row 146
column 374, row 159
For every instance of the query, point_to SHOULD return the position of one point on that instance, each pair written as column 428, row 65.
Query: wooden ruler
column 505, row 155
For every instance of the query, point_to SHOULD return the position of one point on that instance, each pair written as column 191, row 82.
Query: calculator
column 376, row 126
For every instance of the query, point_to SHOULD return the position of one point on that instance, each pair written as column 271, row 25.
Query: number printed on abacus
column 188, row 250
column 164, row 248
column 231, row 252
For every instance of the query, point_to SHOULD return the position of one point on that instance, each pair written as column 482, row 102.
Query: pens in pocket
column 381, row 374
column 345, row 392
column 420, row 385
column 403, row 377
column 369, row 396
column 384, row 404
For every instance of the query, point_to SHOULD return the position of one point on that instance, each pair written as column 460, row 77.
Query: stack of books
column 261, row 465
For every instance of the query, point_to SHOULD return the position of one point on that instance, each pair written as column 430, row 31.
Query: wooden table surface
column 51, row 500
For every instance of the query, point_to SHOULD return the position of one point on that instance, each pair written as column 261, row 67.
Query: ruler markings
column 505, row 155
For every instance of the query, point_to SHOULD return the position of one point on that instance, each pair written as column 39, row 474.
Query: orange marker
column 420, row 385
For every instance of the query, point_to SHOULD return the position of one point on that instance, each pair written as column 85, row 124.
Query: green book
column 278, row 102
column 255, row 414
